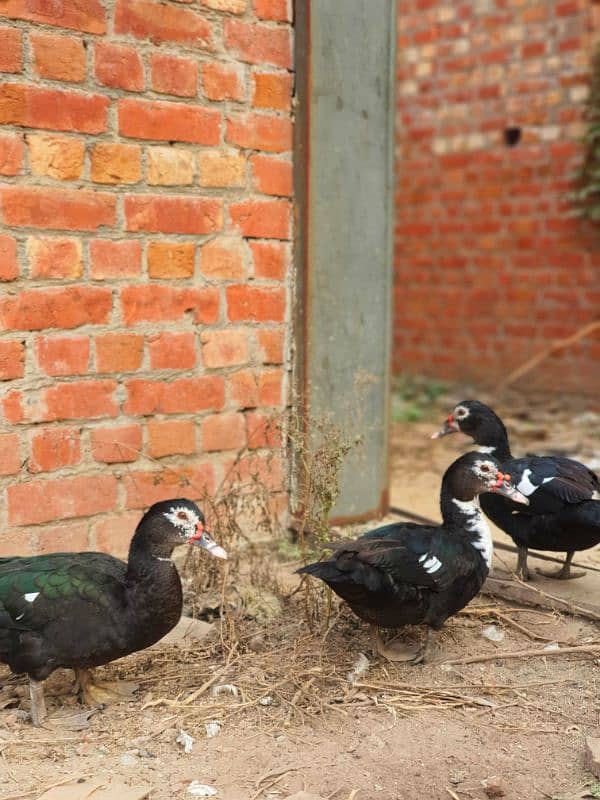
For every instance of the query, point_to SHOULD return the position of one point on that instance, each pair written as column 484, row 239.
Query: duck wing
column 551, row 482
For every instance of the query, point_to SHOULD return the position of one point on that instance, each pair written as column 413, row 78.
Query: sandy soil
column 516, row 727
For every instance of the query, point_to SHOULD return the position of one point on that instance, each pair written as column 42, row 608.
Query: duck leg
column 103, row 693
column 395, row 650
column 522, row 570
column 38, row 704
column 564, row 573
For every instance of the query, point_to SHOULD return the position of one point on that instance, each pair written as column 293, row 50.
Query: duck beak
column 450, row 426
column 202, row 538
column 506, row 487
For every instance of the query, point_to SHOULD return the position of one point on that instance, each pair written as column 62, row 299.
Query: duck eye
column 461, row 413
column 182, row 515
column 485, row 468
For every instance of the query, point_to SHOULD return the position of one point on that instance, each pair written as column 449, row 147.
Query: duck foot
column 564, row 573
column 70, row 720
column 398, row 651
column 38, row 711
column 103, row 693
column 522, row 570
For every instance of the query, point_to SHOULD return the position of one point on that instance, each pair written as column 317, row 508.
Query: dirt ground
column 503, row 727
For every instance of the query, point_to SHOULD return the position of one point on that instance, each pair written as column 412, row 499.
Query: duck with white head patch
column 562, row 514
column 408, row 574
column 81, row 610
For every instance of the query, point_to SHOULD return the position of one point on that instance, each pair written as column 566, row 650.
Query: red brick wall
column 490, row 265
column 144, row 257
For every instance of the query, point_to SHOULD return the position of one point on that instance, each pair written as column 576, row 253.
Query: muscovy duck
column 408, row 574
column 561, row 514
column 81, row 610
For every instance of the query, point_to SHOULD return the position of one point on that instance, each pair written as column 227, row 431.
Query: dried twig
column 563, row 651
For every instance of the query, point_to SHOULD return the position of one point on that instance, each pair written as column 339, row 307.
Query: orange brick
column 171, row 259
column 54, row 258
column 11, row 155
column 276, row 10
column 271, row 259
column 221, row 169
column 146, row 19
column 272, row 175
column 175, row 214
column 173, row 75
column 232, row 6
column 255, row 131
column 170, row 166
column 272, row 90
column 263, row 430
column 113, row 533
column 19, row 542
column 71, row 538
column 12, row 360
column 223, row 259
column 172, row 351
column 59, row 58
column 270, row 386
column 11, row 50
column 259, row 44
column 171, row 437
column 56, row 156
column 255, row 303
column 144, row 488
column 57, row 208
column 179, row 396
column 112, row 260
column 224, row 348
column 160, row 303
column 223, row 432
column 262, row 219
column 223, row 81
column 118, row 67
column 81, row 400
column 88, row 16
column 9, row 266
column 116, row 444
column 10, row 459
column 271, row 342
column 62, row 355
column 35, row 309
column 45, row 500
column 119, row 352
column 151, row 119
column 53, row 448
column 35, row 107
column 243, row 389
column 116, row 163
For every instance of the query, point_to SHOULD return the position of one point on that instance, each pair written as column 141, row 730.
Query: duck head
column 475, row 473
column 179, row 521
column 476, row 420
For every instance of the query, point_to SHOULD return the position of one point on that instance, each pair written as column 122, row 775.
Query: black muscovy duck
column 561, row 514
column 409, row 574
column 81, row 610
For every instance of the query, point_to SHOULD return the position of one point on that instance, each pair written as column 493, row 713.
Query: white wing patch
column 525, row 486
column 430, row 564
column 31, row 596
column 486, row 449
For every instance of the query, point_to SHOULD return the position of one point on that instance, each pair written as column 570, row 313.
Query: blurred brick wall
column 490, row 264
column 144, row 257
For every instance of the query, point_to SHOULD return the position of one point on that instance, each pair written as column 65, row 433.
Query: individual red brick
column 243, row 388
column 272, row 175
column 54, row 258
column 263, row 431
column 223, row 81
column 255, row 303
column 113, row 533
column 159, row 303
column 119, row 352
column 82, row 400
column 72, row 538
column 221, row 169
column 112, row 162
column 259, row 44
column 62, row 355
column 223, row 258
column 118, row 67
column 164, row 121
column 270, row 386
column 262, row 219
column 116, row 444
column 11, row 50
column 53, row 448
column 11, row 155
column 276, row 10
column 170, row 166
column 171, row 259
column 173, row 75
column 12, row 407
column 45, row 500
column 115, row 259
column 56, row 156
column 224, row 348
column 9, row 267
column 271, row 259
column 34, row 107
column 171, row 437
column 145, row 488
column 223, row 432
column 164, row 214
column 264, row 470
column 180, row 396
column 57, row 208
column 12, row 360
column 10, row 459
column 259, row 132
column 271, row 342
column 272, row 90
column 87, row 16
column 172, row 350
column 59, row 58
column 161, row 23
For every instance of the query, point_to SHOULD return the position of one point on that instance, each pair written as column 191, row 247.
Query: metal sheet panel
column 346, row 79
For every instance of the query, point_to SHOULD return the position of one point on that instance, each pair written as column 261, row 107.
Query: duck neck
column 492, row 438
column 467, row 516
column 150, row 569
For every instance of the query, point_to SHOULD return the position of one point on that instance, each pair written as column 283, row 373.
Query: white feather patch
column 525, row 486
column 31, row 596
column 430, row 564
column 486, row 449
column 477, row 524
